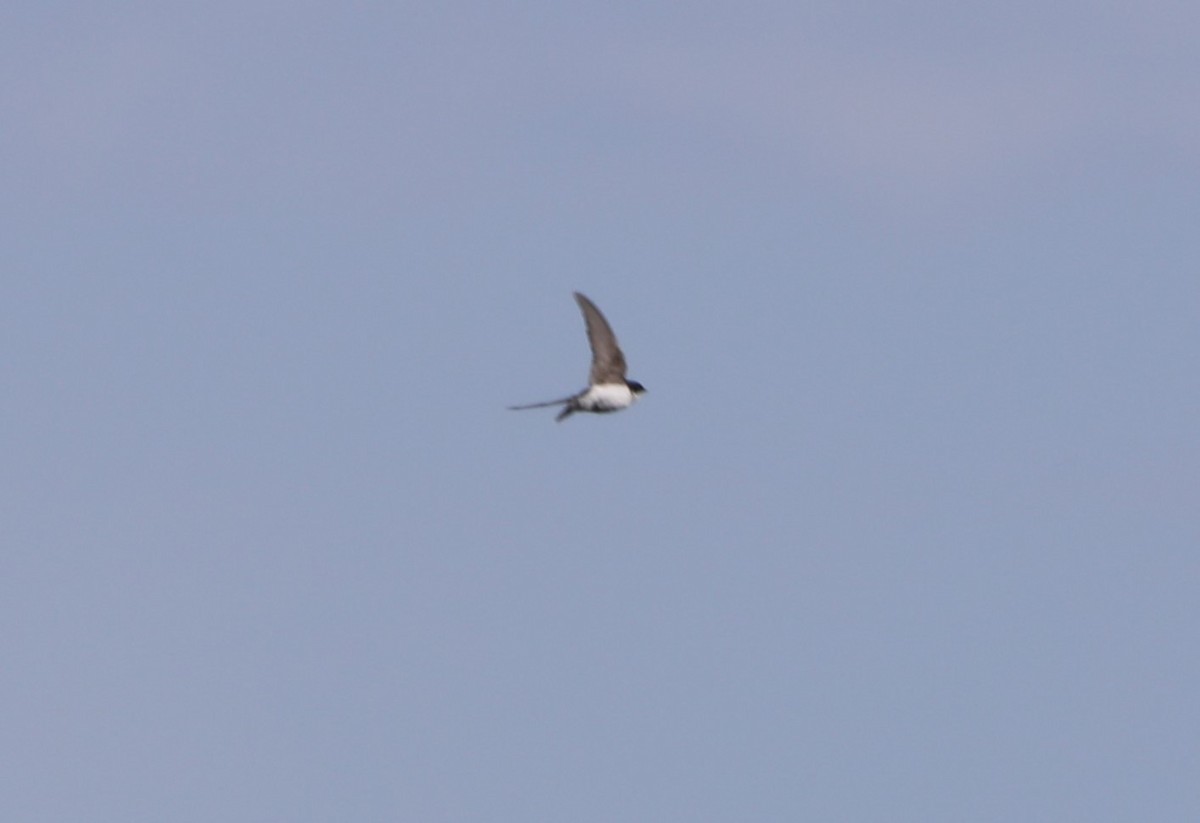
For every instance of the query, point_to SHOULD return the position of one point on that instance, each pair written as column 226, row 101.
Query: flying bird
column 608, row 390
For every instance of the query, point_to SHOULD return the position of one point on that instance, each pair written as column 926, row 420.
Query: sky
column 905, row 529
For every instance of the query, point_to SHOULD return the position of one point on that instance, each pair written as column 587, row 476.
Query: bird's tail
column 568, row 404
column 542, row 405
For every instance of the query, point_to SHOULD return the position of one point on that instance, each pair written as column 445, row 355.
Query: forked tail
column 567, row 402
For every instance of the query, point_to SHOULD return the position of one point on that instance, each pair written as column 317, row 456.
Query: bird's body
column 608, row 391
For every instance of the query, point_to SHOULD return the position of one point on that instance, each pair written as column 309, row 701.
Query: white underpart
column 607, row 397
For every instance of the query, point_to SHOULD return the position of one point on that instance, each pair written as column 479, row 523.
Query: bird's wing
column 608, row 363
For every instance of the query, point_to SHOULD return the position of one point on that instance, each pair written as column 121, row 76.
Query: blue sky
column 906, row 528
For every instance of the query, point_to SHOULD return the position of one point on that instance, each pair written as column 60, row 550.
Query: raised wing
column 608, row 363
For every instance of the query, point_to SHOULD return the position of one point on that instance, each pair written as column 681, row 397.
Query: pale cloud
column 453, row 106
column 926, row 122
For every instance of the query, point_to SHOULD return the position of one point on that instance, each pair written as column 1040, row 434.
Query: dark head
column 635, row 387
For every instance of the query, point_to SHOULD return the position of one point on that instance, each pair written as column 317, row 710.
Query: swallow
column 608, row 390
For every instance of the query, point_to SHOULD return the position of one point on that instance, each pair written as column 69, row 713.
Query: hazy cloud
column 929, row 121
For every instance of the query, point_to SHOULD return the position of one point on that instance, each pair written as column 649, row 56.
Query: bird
column 608, row 390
